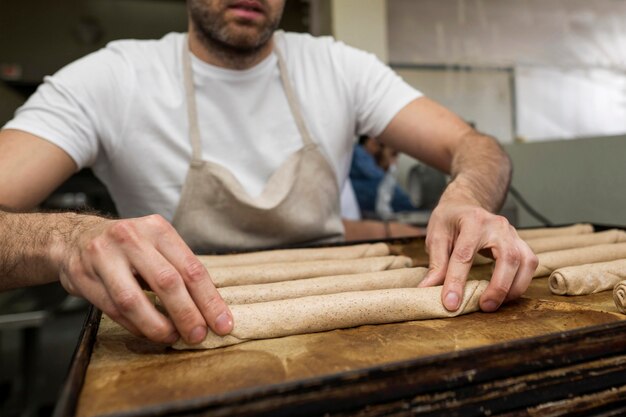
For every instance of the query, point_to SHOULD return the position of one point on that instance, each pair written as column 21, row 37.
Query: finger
column 459, row 265
column 198, row 282
column 131, row 303
column 525, row 273
column 93, row 290
column 508, row 259
column 168, row 284
column 439, row 246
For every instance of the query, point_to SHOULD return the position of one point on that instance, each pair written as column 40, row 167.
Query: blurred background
column 545, row 77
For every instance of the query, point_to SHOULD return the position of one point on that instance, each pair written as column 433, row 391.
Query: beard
column 232, row 38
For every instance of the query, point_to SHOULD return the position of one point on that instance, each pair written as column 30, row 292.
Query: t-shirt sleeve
column 81, row 108
column 378, row 93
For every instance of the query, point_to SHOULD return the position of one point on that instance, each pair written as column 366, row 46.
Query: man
column 240, row 138
column 371, row 161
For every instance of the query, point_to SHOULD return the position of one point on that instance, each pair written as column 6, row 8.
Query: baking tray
column 567, row 372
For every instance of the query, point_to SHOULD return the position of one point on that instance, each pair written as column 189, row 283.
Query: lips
column 248, row 6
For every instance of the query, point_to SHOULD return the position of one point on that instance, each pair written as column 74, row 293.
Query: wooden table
column 534, row 356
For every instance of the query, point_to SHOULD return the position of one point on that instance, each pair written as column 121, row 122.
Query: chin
column 246, row 36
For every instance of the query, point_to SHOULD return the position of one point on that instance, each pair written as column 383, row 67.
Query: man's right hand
column 104, row 260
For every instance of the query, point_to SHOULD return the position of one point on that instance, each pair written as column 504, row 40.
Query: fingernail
column 452, row 301
column 197, row 335
column 490, row 305
column 223, row 323
column 173, row 338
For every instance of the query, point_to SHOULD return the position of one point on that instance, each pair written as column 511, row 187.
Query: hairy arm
column 102, row 260
column 32, row 246
column 105, row 260
column 481, row 171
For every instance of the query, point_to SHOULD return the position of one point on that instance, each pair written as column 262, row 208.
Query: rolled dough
column 587, row 279
column 336, row 311
column 553, row 243
column 550, row 261
column 397, row 278
column 619, row 296
column 287, row 271
column 576, row 229
column 293, row 255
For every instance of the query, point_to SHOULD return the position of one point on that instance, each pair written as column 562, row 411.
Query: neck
column 220, row 55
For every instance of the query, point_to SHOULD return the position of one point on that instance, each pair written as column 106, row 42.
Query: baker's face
column 238, row 24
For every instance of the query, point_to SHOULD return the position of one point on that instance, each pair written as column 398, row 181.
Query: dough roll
column 294, row 255
column 576, row 229
column 287, row 271
column 320, row 313
column 553, row 243
column 550, row 261
column 397, row 278
column 587, row 279
column 619, row 296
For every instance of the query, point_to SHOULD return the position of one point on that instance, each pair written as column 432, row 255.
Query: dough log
column 294, row 255
column 287, row 271
column 336, row 311
column 576, row 229
column 587, row 279
column 550, row 261
column 554, row 243
column 397, row 278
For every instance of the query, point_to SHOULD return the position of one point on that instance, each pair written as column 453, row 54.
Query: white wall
column 362, row 24
column 569, row 55
column 483, row 97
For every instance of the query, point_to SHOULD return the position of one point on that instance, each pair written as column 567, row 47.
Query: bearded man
column 232, row 136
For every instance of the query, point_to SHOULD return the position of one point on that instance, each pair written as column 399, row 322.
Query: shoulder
column 146, row 53
column 116, row 68
column 307, row 44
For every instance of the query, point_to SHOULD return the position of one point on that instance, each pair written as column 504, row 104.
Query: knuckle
column 212, row 303
column 126, row 300
column 436, row 241
column 463, row 254
column 195, row 271
column 511, row 256
column 502, row 222
column 124, row 231
column 157, row 222
column 455, row 281
column 95, row 247
column 500, row 291
column 75, row 269
column 166, row 280
column 157, row 331
column 186, row 314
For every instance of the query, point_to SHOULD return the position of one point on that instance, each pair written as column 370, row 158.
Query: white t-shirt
column 122, row 111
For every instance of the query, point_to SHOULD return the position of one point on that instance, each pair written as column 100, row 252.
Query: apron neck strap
column 290, row 92
column 192, row 112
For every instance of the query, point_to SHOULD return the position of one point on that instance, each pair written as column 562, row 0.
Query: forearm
column 481, row 172
column 32, row 245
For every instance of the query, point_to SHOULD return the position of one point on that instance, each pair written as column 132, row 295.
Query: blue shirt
column 366, row 175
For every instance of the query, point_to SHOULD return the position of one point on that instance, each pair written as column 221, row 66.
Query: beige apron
column 299, row 204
